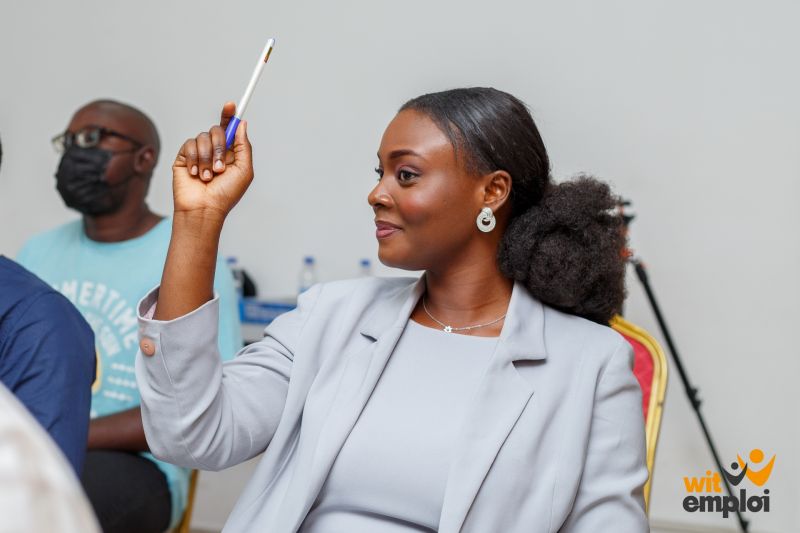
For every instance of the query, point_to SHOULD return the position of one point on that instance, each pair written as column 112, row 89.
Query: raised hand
column 207, row 179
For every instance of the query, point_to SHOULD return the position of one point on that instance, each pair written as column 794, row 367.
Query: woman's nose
column 379, row 196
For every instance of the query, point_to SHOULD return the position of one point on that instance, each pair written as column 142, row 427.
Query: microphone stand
column 691, row 391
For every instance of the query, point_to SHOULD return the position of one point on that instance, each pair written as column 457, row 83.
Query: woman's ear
column 497, row 189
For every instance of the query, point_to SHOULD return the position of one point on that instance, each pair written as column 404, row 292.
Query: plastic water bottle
column 238, row 276
column 308, row 274
column 364, row 268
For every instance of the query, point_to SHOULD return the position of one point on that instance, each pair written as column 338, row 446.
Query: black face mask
column 80, row 180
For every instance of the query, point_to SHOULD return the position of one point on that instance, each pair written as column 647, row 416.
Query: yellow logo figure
column 758, row 477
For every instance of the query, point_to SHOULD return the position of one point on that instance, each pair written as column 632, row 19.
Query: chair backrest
column 184, row 525
column 650, row 368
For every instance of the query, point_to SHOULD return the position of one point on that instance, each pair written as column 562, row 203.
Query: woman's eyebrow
column 394, row 154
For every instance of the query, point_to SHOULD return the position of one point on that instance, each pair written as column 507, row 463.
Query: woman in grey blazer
column 487, row 396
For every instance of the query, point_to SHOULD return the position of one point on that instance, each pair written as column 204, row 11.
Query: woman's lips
column 385, row 229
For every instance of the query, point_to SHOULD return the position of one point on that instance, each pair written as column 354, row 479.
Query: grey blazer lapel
column 361, row 373
column 500, row 400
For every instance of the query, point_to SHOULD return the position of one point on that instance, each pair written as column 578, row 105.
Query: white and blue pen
column 230, row 131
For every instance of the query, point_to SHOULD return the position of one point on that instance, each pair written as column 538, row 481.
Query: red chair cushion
column 643, row 370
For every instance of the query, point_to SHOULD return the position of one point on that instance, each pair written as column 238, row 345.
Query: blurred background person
column 38, row 491
column 47, row 356
column 104, row 263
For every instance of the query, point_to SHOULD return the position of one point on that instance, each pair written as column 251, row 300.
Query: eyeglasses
column 89, row 137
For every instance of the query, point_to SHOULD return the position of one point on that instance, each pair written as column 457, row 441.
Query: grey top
column 390, row 475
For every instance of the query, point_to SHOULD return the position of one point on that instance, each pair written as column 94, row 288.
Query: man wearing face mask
column 109, row 152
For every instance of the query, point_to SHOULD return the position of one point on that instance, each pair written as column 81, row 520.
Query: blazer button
column 147, row 346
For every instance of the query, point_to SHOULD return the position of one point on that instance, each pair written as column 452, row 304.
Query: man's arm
column 53, row 357
column 120, row 431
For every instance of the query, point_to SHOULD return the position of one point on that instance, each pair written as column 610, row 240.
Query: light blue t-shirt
column 105, row 281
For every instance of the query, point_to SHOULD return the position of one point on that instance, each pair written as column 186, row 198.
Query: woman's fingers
column 189, row 153
column 218, row 146
column 205, row 156
column 228, row 110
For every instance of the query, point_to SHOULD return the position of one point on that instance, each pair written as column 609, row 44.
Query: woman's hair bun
column 568, row 249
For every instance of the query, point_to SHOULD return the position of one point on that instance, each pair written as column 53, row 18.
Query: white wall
column 689, row 108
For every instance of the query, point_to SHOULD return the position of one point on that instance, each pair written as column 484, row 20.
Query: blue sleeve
column 52, row 357
column 230, row 326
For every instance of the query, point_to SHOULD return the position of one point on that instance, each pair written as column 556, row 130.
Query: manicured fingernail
column 206, row 174
column 218, row 165
column 193, row 172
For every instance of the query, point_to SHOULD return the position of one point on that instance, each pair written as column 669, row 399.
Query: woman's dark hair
column 564, row 241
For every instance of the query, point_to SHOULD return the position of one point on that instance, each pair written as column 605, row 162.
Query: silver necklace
column 450, row 329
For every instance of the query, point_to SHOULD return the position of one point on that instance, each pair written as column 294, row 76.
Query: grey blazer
column 554, row 442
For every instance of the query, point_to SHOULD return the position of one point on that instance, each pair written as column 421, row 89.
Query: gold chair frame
column 184, row 525
column 658, row 390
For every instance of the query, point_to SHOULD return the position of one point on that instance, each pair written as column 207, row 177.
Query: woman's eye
column 406, row 175
column 379, row 172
